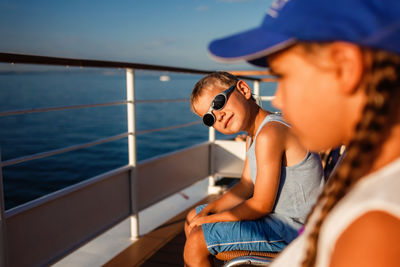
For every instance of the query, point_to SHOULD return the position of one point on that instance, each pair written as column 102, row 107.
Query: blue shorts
column 267, row 234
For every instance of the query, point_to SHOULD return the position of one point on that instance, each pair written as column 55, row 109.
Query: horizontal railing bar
column 269, row 80
column 35, row 110
column 169, row 128
column 58, row 61
column 61, row 150
column 162, row 100
column 267, row 98
column 64, row 191
column 89, row 144
column 251, row 72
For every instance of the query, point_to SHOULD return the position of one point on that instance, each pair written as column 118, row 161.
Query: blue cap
column 370, row 23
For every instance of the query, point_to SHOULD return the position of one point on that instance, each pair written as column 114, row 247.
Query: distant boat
column 164, row 78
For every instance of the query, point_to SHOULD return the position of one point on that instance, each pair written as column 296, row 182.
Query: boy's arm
column 270, row 147
column 240, row 192
column 234, row 196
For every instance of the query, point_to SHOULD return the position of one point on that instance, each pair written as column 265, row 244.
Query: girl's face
column 307, row 94
column 230, row 119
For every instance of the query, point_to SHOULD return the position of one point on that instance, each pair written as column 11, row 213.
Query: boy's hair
column 220, row 77
column 382, row 82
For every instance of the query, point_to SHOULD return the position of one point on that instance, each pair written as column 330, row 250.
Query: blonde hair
column 380, row 113
column 220, row 77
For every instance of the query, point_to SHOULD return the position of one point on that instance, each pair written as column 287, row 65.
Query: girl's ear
column 348, row 59
column 244, row 89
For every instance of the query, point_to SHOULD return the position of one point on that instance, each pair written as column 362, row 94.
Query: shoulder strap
column 269, row 118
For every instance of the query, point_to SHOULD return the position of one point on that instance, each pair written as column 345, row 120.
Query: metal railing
column 130, row 102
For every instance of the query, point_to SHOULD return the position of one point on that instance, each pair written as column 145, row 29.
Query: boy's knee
column 196, row 239
column 190, row 215
column 189, row 218
column 195, row 243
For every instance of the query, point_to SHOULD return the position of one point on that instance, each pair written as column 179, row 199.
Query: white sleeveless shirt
column 379, row 191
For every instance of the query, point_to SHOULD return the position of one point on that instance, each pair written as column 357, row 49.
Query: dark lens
column 208, row 120
column 219, row 102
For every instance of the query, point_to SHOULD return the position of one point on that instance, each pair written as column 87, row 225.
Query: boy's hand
column 197, row 221
column 204, row 212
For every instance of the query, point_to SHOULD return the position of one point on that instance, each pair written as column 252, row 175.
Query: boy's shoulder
column 273, row 127
column 272, row 132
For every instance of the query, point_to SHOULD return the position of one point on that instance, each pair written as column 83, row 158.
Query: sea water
column 27, row 134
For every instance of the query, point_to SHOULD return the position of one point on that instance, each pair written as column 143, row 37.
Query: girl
column 338, row 64
column 279, row 183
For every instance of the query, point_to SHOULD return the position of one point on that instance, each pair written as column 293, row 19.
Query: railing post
column 3, row 233
column 256, row 92
column 211, row 179
column 130, row 96
column 256, row 89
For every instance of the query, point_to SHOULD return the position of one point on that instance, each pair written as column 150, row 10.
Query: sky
column 160, row 32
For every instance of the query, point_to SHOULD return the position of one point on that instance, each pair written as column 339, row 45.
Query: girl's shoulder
column 373, row 237
column 375, row 193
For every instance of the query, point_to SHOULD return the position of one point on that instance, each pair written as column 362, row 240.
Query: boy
column 279, row 183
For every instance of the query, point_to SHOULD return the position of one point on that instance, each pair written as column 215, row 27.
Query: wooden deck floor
column 163, row 246
column 160, row 248
column 171, row 254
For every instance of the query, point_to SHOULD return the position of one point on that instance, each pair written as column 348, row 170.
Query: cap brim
column 252, row 45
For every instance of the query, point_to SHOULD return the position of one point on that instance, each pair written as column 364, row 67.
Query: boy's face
column 308, row 95
column 229, row 119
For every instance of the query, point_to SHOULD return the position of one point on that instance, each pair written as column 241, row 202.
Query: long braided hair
column 382, row 80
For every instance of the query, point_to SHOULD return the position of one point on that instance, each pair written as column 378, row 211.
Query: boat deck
column 160, row 248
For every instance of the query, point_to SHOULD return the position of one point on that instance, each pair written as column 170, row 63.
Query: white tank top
column 377, row 191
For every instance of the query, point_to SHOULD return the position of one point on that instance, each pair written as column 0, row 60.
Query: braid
column 382, row 90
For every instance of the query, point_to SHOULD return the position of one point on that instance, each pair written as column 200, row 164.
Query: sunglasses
column 218, row 103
